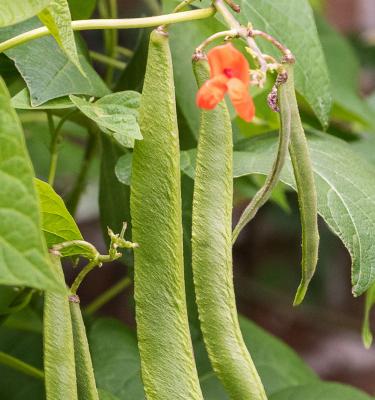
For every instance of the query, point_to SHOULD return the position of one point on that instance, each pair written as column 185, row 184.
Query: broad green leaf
column 27, row 346
column 58, row 225
column 56, row 17
column 47, row 71
column 23, row 253
column 279, row 366
column 321, row 391
column 104, row 395
column 346, row 194
column 115, row 359
column 81, row 9
column 123, row 169
column 115, row 114
column 14, row 11
column 367, row 336
column 22, row 101
column 344, row 71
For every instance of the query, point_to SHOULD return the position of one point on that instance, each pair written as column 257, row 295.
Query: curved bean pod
column 264, row 193
column 167, row 361
column 59, row 364
column 307, row 197
column 212, row 253
column 86, row 384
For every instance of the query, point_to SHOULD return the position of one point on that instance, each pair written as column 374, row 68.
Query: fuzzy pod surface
column 212, row 253
column 59, row 362
column 307, row 196
column 86, row 384
column 167, row 361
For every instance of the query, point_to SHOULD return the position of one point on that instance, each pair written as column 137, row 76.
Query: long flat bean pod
column 307, row 197
column 212, row 253
column 59, row 364
column 167, row 361
column 86, row 384
column 264, row 193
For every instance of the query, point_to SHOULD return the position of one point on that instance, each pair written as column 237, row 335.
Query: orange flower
column 229, row 72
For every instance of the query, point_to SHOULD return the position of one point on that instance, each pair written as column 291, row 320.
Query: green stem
column 81, row 276
column 55, row 142
column 264, row 193
column 80, row 183
column 53, row 150
column 127, row 23
column 108, row 295
column 21, row 366
column 113, row 41
column 123, row 51
column 102, row 58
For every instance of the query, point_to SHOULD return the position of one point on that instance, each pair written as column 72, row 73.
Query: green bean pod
column 212, row 253
column 167, row 361
column 86, row 384
column 307, row 197
column 59, row 364
column 264, row 193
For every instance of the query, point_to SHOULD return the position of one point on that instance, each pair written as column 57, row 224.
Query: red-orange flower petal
column 226, row 59
column 241, row 99
column 212, row 92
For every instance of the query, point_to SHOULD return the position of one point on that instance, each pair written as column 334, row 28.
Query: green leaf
column 321, row 391
column 12, row 12
column 279, row 366
column 27, row 346
column 24, row 258
column 346, row 194
column 123, row 169
column 56, row 17
column 292, row 23
column 82, row 9
column 22, row 101
column 58, row 225
column 115, row 359
column 115, row 114
column 104, row 395
column 344, row 72
column 47, row 71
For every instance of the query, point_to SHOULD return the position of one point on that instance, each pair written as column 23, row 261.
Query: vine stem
column 108, row 295
column 81, row 181
column 126, row 23
column 21, row 366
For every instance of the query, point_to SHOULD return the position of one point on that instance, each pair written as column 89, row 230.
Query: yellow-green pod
column 307, row 197
column 59, row 364
column 212, row 253
column 167, row 361
column 86, row 384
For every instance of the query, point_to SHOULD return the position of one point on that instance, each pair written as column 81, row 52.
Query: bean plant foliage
column 155, row 147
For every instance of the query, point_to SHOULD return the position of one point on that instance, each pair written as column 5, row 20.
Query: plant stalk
column 126, row 23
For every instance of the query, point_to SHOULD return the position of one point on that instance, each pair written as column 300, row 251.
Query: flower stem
column 21, row 366
column 127, row 23
column 81, row 276
column 108, row 295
